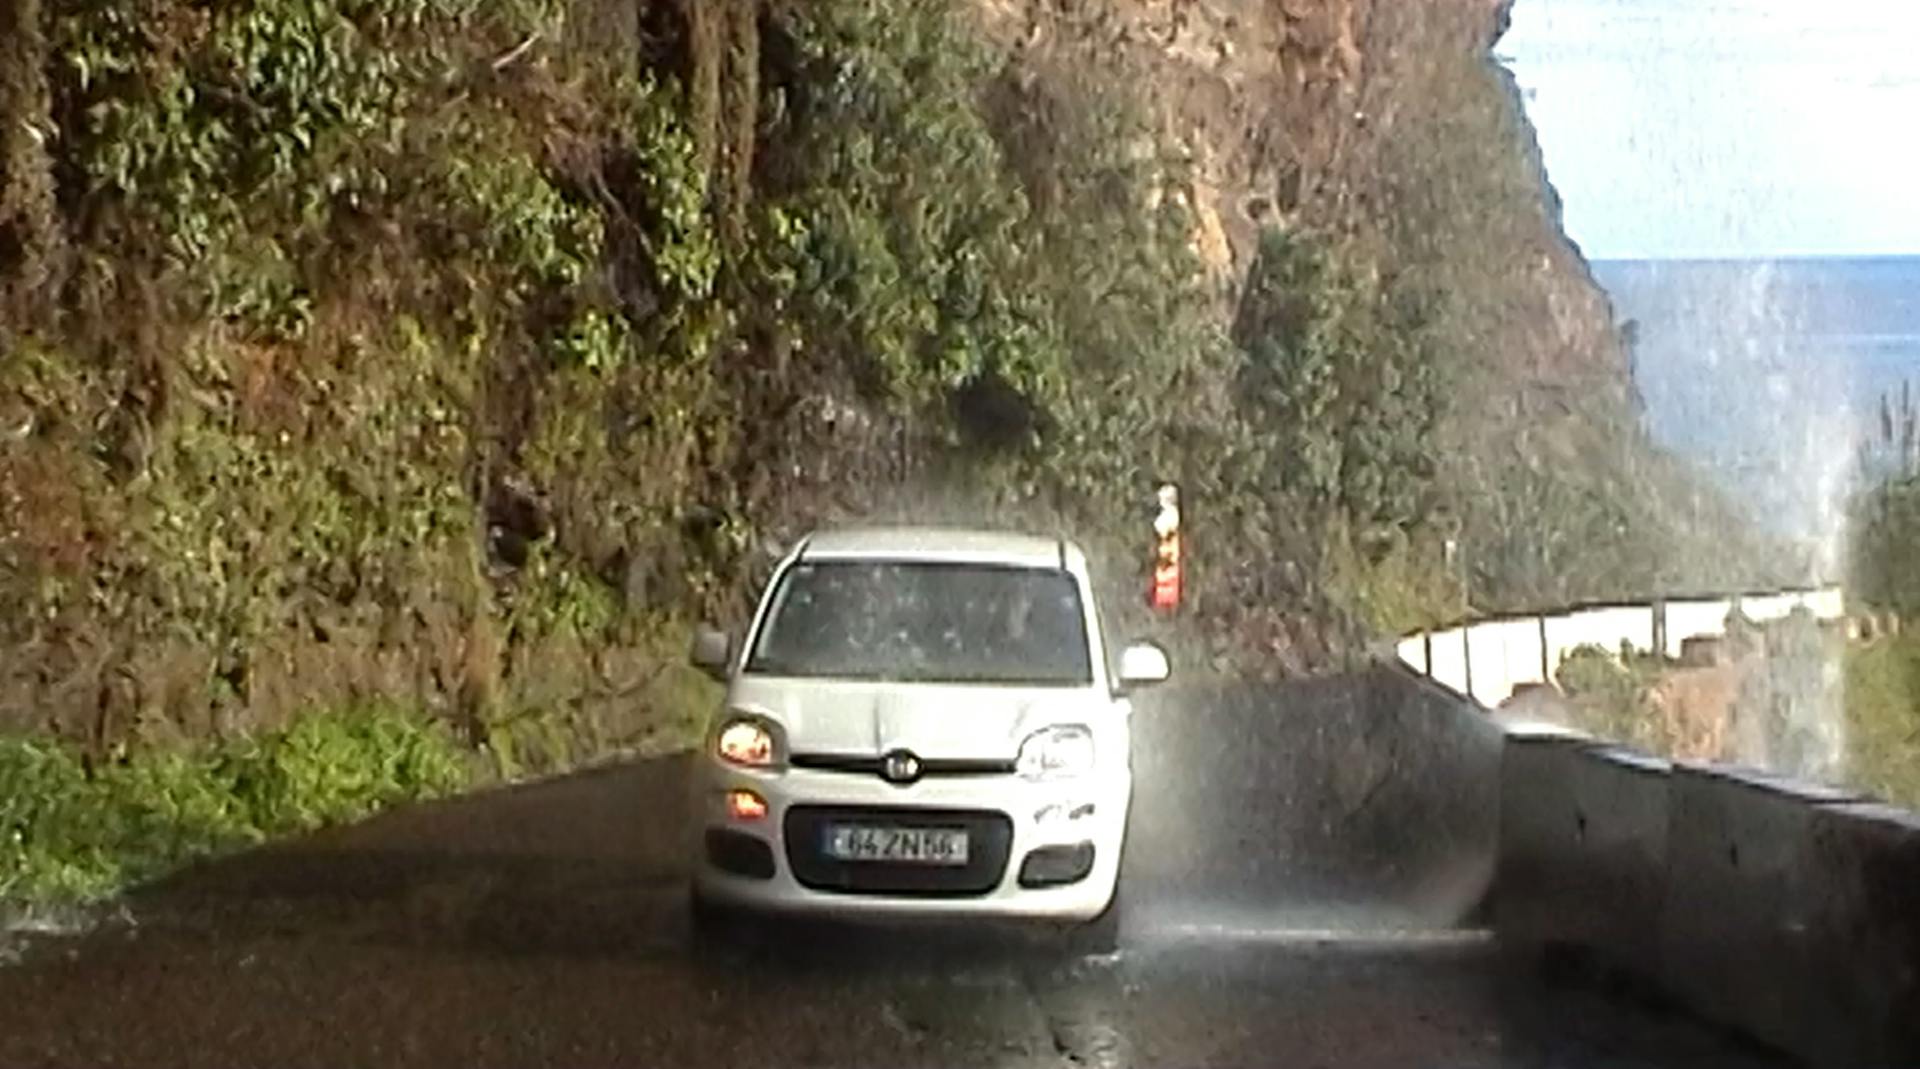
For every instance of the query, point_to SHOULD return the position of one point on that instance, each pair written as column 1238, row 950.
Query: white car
column 921, row 722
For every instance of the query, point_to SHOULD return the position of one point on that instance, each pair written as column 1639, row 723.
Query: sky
column 1727, row 128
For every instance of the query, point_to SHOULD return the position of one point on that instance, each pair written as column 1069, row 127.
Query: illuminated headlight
column 745, row 742
column 1056, row 752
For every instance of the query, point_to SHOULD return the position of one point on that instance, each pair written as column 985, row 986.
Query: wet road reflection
column 546, row 925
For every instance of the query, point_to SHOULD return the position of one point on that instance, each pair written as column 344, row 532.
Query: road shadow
column 594, row 862
column 1344, row 804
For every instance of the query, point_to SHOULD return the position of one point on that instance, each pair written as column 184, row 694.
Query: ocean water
column 1769, row 373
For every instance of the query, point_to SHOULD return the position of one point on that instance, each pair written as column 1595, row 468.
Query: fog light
column 739, row 853
column 1050, row 866
column 746, row 805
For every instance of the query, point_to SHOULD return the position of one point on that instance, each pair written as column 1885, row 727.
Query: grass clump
column 72, row 829
column 1609, row 693
column 339, row 768
column 1883, row 581
column 1883, row 718
column 1879, row 717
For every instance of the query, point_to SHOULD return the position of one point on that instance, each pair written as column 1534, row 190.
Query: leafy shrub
column 504, row 205
column 1399, row 584
column 161, row 808
column 908, row 252
column 1333, row 370
column 1608, row 694
column 69, row 833
column 1592, row 672
column 1883, row 676
column 1884, row 515
column 1883, row 718
column 677, row 234
column 49, row 837
column 342, row 767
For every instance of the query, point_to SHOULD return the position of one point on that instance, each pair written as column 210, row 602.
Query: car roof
column 937, row 544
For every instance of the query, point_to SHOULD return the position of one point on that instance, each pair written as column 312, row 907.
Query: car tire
column 1101, row 935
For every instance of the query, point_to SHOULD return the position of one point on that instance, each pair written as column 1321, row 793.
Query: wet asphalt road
column 545, row 925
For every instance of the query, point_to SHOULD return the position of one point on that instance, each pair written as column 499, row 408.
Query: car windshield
column 925, row 622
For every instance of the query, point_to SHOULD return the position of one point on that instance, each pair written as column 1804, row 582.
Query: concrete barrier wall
column 1788, row 911
column 1695, row 619
column 1492, row 658
column 1515, row 655
column 1447, row 659
column 1413, row 653
column 1784, row 910
column 1487, row 663
column 1864, row 933
column 1828, row 604
column 1769, row 607
column 1734, row 937
column 1583, row 857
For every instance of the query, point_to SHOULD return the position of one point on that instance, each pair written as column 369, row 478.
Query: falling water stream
column 1746, row 369
column 1730, row 171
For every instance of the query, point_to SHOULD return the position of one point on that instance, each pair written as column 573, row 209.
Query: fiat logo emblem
column 900, row 766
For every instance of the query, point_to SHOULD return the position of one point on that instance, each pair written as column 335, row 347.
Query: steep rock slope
column 1389, row 129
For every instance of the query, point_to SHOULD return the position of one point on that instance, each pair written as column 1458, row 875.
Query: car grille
column 861, row 764
column 989, row 842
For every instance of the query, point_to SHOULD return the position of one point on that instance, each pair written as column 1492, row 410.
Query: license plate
column 914, row 846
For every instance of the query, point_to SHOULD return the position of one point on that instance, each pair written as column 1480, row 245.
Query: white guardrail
column 1490, row 659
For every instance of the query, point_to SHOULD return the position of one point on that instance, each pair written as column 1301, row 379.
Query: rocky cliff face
column 1260, row 97
column 1386, row 120
column 1387, row 127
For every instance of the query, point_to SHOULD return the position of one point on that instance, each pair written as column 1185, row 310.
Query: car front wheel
column 1101, row 935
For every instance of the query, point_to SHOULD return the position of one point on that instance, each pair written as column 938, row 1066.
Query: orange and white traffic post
column 1167, row 569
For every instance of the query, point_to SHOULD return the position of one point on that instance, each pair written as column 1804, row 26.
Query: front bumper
column 1014, row 818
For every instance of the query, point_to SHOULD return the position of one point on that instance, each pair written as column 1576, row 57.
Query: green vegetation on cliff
column 1883, row 582
column 1883, row 718
column 1884, row 518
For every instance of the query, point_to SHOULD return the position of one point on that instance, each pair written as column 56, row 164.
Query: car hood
column 933, row 720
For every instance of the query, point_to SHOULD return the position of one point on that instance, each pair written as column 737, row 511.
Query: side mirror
column 712, row 652
column 1143, row 664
